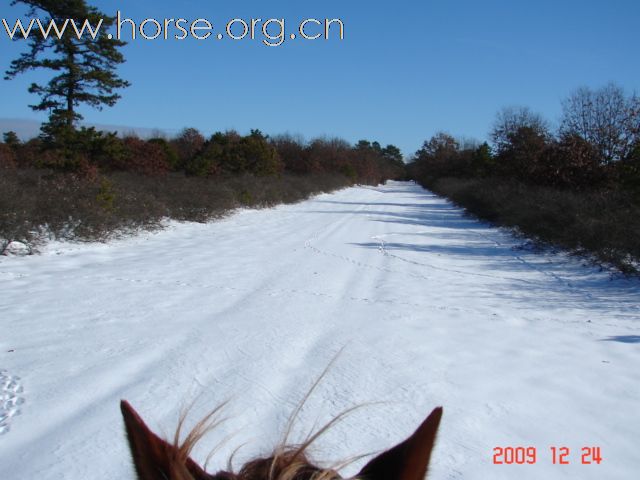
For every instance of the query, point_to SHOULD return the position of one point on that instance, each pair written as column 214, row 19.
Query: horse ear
column 408, row 460
column 154, row 458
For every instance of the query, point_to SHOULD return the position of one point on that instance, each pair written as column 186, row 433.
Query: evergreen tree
column 393, row 154
column 363, row 145
column 11, row 138
column 84, row 67
column 482, row 160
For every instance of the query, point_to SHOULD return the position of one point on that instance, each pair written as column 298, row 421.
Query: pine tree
column 482, row 161
column 11, row 138
column 84, row 67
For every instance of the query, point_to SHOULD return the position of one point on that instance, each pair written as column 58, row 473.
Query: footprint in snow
column 10, row 399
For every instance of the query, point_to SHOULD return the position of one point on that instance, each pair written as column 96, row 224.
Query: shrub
column 571, row 162
column 230, row 153
column 220, row 152
column 28, row 153
column 170, row 152
column 67, row 205
column 11, row 139
column 602, row 222
column 524, row 151
column 187, row 145
column 146, row 158
column 204, row 164
column 106, row 196
column 440, row 157
column 482, row 161
column 106, row 150
column 351, row 173
column 328, row 155
column 7, row 156
column 627, row 172
column 293, row 154
column 60, row 161
column 260, row 156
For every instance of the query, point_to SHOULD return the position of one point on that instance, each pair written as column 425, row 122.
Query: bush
column 146, row 158
column 328, row 155
column 482, row 161
column 232, row 154
column 569, row 163
column 602, row 222
column 220, row 152
column 293, row 154
column 627, row 172
column 441, row 157
column 67, row 205
column 187, row 145
column 260, row 156
column 521, row 155
column 11, row 139
column 170, row 152
column 61, row 204
column 7, row 156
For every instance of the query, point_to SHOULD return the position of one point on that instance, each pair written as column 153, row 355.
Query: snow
column 10, row 399
column 421, row 305
column 16, row 248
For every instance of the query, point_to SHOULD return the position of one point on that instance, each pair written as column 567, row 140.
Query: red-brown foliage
column 147, row 158
column 7, row 156
column 571, row 162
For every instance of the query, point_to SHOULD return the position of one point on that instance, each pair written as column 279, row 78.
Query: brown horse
column 156, row 459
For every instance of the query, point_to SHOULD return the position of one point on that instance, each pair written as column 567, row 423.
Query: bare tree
column 511, row 119
column 606, row 118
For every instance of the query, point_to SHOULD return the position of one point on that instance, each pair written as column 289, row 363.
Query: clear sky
column 404, row 70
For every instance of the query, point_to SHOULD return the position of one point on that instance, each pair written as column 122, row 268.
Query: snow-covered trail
column 429, row 308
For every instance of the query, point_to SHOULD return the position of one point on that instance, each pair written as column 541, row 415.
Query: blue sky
column 405, row 69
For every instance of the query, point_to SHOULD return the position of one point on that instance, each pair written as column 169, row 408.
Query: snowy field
column 522, row 349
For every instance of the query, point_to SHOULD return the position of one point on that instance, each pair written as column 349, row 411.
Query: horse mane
column 287, row 462
column 157, row 459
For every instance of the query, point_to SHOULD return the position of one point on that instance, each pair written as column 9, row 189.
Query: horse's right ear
column 408, row 460
column 154, row 458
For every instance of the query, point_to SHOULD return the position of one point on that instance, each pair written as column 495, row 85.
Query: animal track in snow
column 10, row 399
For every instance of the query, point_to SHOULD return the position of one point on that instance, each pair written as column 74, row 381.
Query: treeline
column 87, row 184
column 577, row 186
column 88, row 152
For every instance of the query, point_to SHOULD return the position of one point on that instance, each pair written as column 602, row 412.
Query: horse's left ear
column 154, row 458
column 408, row 460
